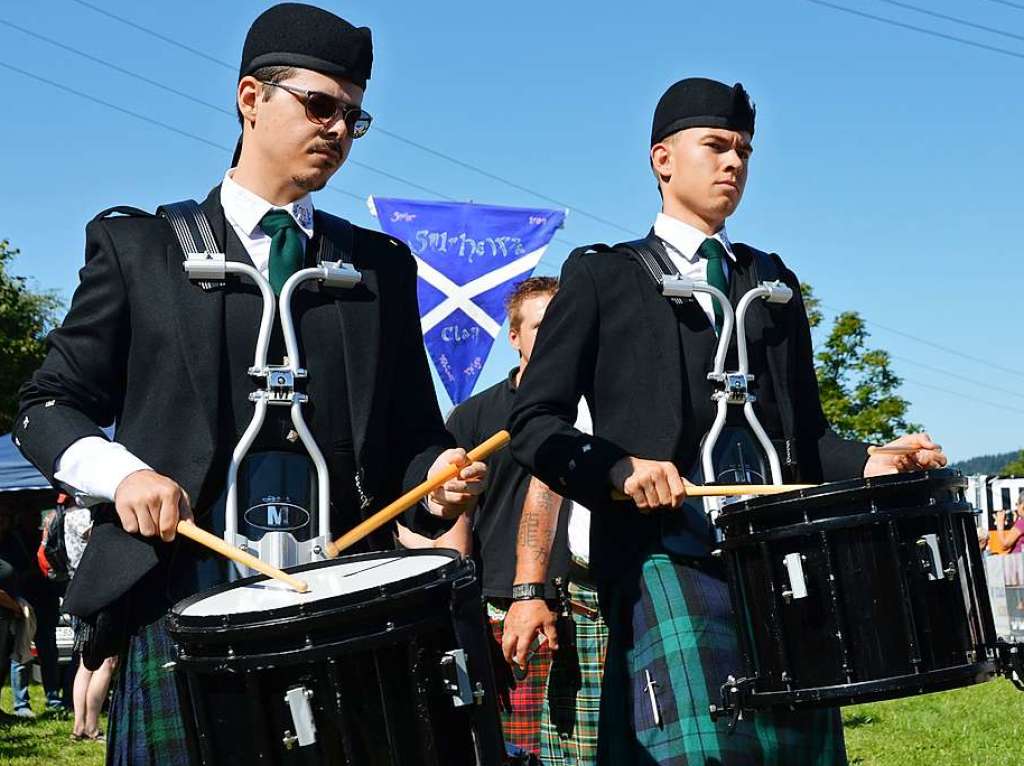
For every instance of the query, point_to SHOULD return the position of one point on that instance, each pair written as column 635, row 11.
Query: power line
column 1018, row 6
column 495, row 177
column 201, row 102
column 971, row 397
column 345, row 192
column 984, row 385
column 954, row 19
column 377, row 129
column 939, row 346
column 466, row 165
column 152, row 33
column 185, row 133
column 136, row 115
column 109, row 105
column 921, row 30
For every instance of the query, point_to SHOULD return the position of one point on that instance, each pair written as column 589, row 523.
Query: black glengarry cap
column 299, row 35
column 698, row 102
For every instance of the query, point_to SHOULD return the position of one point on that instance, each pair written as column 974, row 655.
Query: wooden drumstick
column 873, row 450
column 727, row 490
column 214, row 543
column 413, row 496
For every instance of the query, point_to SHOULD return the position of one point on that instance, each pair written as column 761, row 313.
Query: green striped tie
column 287, row 246
column 714, row 252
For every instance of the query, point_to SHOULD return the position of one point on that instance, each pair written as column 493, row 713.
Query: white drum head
column 339, row 579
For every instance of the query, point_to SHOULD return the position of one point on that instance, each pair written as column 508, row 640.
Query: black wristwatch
column 527, row 591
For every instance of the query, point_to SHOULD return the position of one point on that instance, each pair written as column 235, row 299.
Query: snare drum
column 856, row 591
column 383, row 662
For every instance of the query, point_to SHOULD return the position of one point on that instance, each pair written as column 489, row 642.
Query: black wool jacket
column 143, row 346
column 610, row 336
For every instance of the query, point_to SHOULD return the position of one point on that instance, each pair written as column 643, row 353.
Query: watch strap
column 527, row 591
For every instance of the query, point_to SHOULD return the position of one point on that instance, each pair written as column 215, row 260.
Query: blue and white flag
column 469, row 258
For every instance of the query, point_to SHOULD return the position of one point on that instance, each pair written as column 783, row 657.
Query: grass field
column 45, row 741
column 979, row 726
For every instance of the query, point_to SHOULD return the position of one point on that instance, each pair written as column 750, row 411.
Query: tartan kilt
column 674, row 622
column 519, row 702
column 145, row 727
column 568, row 728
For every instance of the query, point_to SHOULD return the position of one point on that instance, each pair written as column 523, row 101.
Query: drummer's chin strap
column 731, row 388
column 209, row 268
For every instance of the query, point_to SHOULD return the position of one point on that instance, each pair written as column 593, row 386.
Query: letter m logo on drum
column 277, row 516
column 468, row 257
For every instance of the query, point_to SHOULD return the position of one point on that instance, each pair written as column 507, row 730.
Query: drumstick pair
column 379, row 519
column 415, row 495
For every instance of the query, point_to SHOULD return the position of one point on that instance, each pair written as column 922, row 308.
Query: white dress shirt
column 682, row 241
column 579, row 515
column 92, row 467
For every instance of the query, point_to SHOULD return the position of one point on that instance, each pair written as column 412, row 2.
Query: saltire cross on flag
column 469, row 258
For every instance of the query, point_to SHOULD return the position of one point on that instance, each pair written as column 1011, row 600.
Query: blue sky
column 886, row 170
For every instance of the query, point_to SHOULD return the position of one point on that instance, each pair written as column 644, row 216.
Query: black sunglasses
column 323, row 109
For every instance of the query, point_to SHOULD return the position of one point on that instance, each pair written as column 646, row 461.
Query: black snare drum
column 856, row 591
column 384, row 662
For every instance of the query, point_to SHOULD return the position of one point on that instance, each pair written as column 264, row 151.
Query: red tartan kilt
column 520, row 702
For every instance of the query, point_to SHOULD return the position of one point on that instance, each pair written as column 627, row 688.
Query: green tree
column 1015, row 467
column 25, row 318
column 859, row 390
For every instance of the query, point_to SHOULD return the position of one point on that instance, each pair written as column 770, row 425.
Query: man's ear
column 661, row 160
column 513, row 337
column 248, row 96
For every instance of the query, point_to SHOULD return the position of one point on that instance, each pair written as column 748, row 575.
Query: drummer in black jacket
column 167, row 359
column 641, row 360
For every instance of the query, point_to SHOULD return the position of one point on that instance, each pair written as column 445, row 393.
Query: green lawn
column 45, row 741
column 978, row 726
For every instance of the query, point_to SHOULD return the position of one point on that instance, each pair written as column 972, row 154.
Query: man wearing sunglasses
column 167, row 359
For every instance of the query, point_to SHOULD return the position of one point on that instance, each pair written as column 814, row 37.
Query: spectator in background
column 91, row 686
column 19, row 548
column 1010, row 540
column 10, row 612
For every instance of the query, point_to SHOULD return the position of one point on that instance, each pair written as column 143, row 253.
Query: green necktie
column 713, row 250
column 287, row 247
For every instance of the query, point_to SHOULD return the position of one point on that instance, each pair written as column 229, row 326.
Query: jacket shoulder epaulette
column 598, row 248
column 123, row 210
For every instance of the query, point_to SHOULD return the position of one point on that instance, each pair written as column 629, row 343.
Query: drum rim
column 742, row 538
column 940, row 476
column 254, row 619
column 875, row 689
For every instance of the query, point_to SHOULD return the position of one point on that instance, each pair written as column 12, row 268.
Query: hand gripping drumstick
column 413, row 496
column 728, row 490
column 214, row 543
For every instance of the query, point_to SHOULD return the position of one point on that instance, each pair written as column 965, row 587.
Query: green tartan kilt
column 568, row 729
column 145, row 727
column 672, row 624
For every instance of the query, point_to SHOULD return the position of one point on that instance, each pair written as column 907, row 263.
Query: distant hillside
column 987, row 464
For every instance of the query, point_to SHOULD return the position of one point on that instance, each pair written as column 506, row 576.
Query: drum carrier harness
column 209, row 268
column 731, row 388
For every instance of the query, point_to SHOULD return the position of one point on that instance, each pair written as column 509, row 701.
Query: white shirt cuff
column 92, row 468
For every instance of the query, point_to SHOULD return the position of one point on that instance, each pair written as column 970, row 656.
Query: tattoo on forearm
column 537, row 526
column 531, row 534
